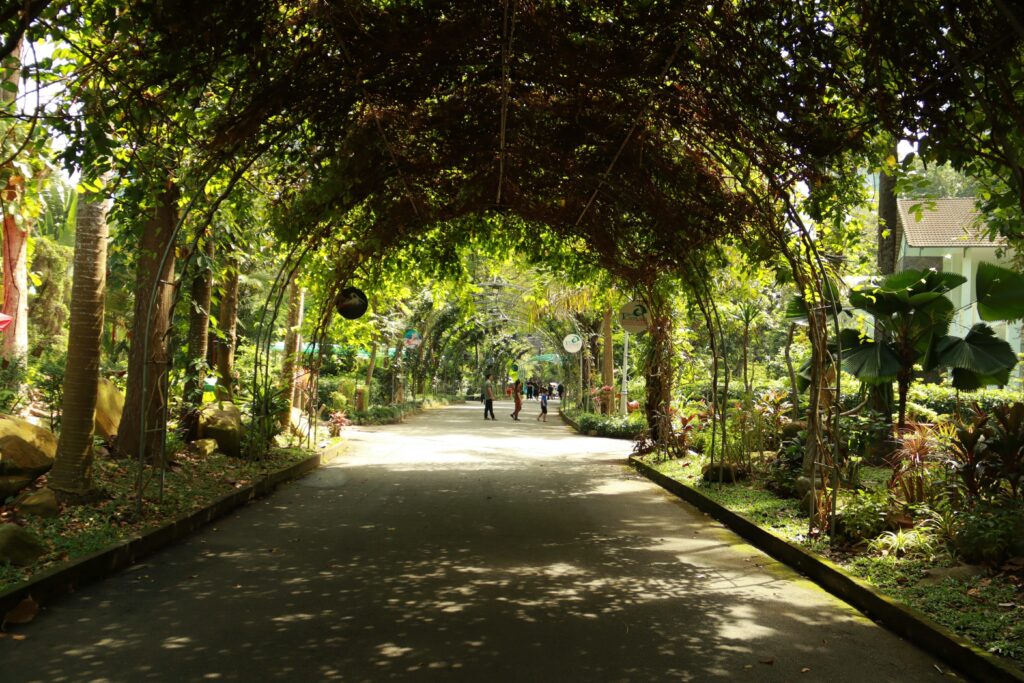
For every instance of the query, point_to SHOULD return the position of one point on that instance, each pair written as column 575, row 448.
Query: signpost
column 634, row 318
column 573, row 343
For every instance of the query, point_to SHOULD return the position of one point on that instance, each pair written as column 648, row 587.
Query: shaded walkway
column 450, row 548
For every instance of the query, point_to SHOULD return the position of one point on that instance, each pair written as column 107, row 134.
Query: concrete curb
column 69, row 576
column 904, row 621
column 568, row 420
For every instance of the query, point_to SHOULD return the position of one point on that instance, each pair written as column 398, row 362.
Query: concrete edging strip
column 902, row 620
column 67, row 577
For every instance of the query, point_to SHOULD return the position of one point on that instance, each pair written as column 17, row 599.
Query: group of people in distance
column 535, row 390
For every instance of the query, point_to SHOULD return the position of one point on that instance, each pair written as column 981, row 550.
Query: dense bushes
column 611, row 426
column 391, row 414
column 942, row 399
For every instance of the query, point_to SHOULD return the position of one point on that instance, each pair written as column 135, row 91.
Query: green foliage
column 48, row 307
column 942, row 399
column 48, row 378
column 787, row 464
column 612, row 426
column 863, row 515
column 991, row 531
column 912, row 312
column 13, row 373
column 903, row 542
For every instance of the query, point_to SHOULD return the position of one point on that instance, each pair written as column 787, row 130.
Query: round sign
column 572, row 343
column 634, row 317
column 351, row 303
column 412, row 339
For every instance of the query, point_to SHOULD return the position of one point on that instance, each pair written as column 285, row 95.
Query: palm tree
column 912, row 319
column 71, row 473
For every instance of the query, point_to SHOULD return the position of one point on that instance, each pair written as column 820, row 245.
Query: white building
column 949, row 237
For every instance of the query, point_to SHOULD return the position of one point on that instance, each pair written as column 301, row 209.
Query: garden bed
column 609, row 426
column 191, row 484
column 984, row 605
column 393, row 414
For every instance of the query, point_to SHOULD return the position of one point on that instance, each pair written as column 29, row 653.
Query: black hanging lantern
column 351, row 303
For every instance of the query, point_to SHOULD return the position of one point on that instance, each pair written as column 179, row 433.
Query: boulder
column 41, row 503
column 222, row 422
column 109, row 406
column 204, row 448
column 11, row 484
column 961, row 572
column 18, row 546
column 25, row 449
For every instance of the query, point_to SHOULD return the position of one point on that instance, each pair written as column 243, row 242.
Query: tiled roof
column 944, row 223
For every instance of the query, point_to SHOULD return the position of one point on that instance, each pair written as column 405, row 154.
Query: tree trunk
column 370, row 368
column 72, row 470
column 228, row 321
column 608, row 363
column 198, row 340
column 396, row 368
column 291, row 348
column 157, row 234
column 14, row 249
column 748, row 389
column 658, row 377
column 794, row 391
column 888, row 227
column 904, row 386
column 880, row 396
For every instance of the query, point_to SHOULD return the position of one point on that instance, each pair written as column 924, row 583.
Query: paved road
column 450, row 548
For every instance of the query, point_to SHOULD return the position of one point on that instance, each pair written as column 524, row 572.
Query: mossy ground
column 189, row 485
column 988, row 610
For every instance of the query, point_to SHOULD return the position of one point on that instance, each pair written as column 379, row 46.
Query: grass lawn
column 191, row 484
column 987, row 609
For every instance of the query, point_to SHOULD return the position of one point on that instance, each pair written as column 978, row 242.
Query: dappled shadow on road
column 437, row 570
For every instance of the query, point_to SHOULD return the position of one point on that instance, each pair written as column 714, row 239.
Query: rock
column 803, row 492
column 204, row 448
column 25, row 449
column 41, row 503
column 961, row 572
column 11, row 484
column 18, row 546
column 109, row 406
column 222, row 422
column 727, row 473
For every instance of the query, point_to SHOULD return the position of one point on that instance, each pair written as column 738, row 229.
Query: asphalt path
column 450, row 548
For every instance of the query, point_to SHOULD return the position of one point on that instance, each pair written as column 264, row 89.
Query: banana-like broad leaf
column 1000, row 293
column 978, row 359
column 796, row 310
column 878, row 302
column 796, row 307
column 936, row 281
column 903, row 281
column 869, row 361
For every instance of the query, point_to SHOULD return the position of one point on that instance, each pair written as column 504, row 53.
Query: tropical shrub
column 991, row 531
column 786, row 466
column 864, row 514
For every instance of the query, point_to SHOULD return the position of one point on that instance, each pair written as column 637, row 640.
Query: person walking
column 489, row 398
column 517, row 397
column 543, row 415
